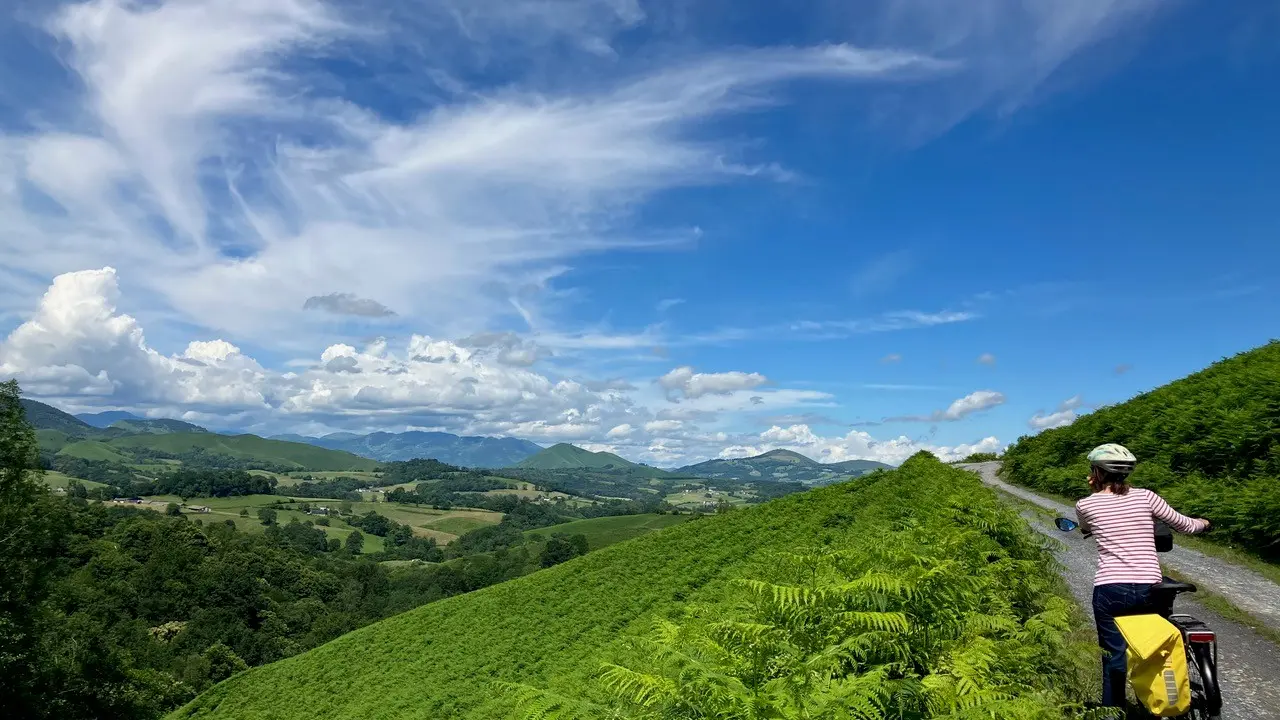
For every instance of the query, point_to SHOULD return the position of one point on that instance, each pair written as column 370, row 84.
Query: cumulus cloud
column 684, row 382
column 79, row 349
column 1064, row 415
column 347, row 304
column 987, row 359
column 959, row 409
column 856, row 445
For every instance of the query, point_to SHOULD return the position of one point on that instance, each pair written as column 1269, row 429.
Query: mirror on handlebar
column 1066, row 525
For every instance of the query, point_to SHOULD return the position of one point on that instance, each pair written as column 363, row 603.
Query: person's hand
column 1207, row 524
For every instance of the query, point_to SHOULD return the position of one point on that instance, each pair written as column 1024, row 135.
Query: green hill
column 157, row 426
column 302, row 456
column 929, row 568
column 1210, row 443
column 48, row 417
column 567, row 457
column 93, row 450
column 602, row 532
column 781, row 466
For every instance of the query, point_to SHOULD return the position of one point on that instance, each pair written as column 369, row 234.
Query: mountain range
column 137, row 440
column 782, row 466
column 465, row 451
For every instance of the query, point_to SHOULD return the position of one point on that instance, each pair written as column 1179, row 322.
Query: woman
column 1121, row 519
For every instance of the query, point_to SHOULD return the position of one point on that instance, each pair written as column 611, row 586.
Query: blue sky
column 672, row 230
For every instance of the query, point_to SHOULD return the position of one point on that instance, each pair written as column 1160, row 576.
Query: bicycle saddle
column 1170, row 586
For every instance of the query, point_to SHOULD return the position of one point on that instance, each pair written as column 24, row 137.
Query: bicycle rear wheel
column 1205, row 701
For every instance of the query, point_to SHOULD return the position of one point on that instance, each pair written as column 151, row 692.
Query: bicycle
column 1200, row 641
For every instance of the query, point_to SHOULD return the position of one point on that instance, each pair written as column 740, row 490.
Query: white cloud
column 891, row 358
column 959, row 409
column 81, row 351
column 668, row 303
column 987, row 359
column 209, row 157
column 684, row 382
column 856, row 445
column 620, row 431
column 1064, row 415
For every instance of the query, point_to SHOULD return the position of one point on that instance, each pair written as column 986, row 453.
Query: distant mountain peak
column 787, row 455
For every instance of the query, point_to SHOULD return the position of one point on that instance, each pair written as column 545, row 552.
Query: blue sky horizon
column 675, row 231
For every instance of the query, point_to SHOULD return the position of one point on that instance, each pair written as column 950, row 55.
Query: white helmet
column 1113, row 458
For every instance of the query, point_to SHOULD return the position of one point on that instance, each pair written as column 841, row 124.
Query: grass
column 554, row 628
column 93, row 450
column 1226, row 608
column 605, row 531
column 55, row 479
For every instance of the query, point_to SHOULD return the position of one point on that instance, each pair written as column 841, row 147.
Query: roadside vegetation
column 1209, row 443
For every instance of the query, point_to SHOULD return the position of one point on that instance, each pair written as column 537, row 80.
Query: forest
column 1209, row 443
column 116, row 612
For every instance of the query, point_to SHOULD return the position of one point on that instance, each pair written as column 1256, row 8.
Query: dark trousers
column 1110, row 602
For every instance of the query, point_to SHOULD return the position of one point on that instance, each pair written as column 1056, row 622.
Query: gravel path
column 1249, row 664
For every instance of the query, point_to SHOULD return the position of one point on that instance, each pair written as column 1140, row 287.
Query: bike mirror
column 1066, row 525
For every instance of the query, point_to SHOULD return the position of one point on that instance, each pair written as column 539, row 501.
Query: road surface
column 1249, row 664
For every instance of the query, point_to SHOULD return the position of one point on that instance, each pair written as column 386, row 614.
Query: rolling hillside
column 567, row 457
column 301, row 456
column 963, row 558
column 104, row 419
column 48, row 417
column 782, row 466
column 464, row 451
column 1210, row 443
column 602, row 532
column 61, row 433
column 157, row 426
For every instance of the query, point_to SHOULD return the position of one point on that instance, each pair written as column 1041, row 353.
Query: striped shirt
column 1124, row 527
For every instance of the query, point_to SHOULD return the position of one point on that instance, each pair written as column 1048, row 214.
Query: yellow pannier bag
column 1157, row 664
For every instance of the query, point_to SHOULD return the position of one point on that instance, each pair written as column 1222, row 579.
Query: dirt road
column 1248, row 662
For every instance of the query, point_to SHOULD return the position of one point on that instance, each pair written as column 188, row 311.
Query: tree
column 267, row 516
column 244, row 512
column 345, row 508
column 355, row 542
column 173, row 509
column 561, row 548
column 29, row 538
column 76, row 489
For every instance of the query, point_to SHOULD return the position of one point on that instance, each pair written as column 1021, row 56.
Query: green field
column 55, row 479
column 93, row 450
column 972, row 574
column 605, row 531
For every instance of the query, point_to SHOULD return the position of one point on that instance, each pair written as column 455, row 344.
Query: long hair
column 1100, row 480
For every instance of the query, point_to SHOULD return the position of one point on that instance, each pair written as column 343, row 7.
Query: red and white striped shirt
column 1124, row 527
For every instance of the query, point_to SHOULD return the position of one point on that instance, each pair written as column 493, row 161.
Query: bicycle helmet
column 1113, row 458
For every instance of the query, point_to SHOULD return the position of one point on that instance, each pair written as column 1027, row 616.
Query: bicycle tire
column 1205, row 666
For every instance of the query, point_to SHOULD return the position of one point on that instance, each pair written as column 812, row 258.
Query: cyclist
column 1121, row 518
